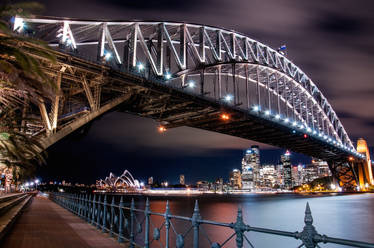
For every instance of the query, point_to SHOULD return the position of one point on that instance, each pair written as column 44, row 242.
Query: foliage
column 22, row 81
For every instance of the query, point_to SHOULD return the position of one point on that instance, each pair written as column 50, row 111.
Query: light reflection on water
column 340, row 216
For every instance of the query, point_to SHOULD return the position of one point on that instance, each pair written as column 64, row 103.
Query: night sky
column 332, row 41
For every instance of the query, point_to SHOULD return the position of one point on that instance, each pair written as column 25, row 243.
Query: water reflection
column 342, row 216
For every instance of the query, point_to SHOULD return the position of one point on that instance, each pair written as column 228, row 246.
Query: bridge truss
column 186, row 74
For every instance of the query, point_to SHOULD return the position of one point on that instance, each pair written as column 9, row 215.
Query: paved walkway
column 44, row 224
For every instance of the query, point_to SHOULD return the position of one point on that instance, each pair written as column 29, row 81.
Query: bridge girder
column 184, row 75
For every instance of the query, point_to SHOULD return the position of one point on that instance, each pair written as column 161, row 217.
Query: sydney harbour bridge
column 192, row 75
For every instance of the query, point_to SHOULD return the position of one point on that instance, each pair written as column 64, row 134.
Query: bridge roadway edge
column 45, row 224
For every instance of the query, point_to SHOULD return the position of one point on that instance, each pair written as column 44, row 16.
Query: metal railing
column 127, row 223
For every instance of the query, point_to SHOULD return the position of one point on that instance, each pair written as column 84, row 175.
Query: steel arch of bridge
column 186, row 75
column 223, row 64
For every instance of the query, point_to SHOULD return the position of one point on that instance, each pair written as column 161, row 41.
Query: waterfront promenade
column 44, row 224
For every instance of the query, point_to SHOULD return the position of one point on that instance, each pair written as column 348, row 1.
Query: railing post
column 86, row 207
column 120, row 226
column 195, row 223
column 239, row 228
column 104, row 214
column 79, row 205
column 93, row 210
column 112, row 213
column 89, row 209
column 98, row 212
column 147, row 219
column 132, row 219
column 309, row 231
column 167, row 224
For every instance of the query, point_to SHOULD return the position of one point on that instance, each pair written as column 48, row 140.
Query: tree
column 22, row 81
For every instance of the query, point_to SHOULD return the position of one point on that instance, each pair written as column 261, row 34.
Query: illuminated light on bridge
column 224, row 64
column 225, row 117
column 228, row 98
column 140, row 66
column 107, row 55
column 267, row 112
column 168, row 76
column 305, row 136
column 162, row 129
column 191, row 84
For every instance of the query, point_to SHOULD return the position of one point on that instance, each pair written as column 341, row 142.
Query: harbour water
column 347, row 216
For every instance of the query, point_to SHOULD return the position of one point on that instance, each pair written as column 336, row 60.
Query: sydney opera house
column 123, row 183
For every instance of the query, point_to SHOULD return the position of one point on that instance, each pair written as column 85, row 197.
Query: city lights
column 277, row 116
column 267, row 112
column 286, row 120
column 294, row 123
column 256, row 108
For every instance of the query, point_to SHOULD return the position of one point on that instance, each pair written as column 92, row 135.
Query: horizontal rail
column 122, row 221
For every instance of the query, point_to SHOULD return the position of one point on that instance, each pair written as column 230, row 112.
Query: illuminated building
column 323, row 169
column 267, row 176
column 287, row 170
column 310, row 173
column 181, row 180
column 236, row 179
column 297, row 175
column 150, row 180
column 125, row 182
column 251, row 168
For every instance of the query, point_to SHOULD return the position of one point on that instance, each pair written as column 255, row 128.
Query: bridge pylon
column 365, row 169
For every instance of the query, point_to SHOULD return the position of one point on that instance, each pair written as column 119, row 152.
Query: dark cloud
column 340, row 23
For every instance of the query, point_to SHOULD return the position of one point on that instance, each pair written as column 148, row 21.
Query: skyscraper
column 251, row 168
column 287, row 170
column 236, row 179
column 181, row 180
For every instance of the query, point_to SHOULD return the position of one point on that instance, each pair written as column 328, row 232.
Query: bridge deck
column 46, row 224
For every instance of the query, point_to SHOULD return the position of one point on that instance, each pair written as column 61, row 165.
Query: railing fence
column 127, row 223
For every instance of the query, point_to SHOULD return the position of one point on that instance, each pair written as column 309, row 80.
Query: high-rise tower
column 250, row 168
column 287, row 170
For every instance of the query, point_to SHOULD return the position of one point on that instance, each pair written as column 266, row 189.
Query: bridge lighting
column 140, row 66
column 351, row 158
column 286, row 120
column 309, row 129
column 256, row 108
column 19, row 24
column 293, row 131
column 225, row 117
column 191, row 84
column 267, row 112
column 168, row 76
column 277, row 116
column 320, row 134
column 305, row 136
column 228, row 98
column 294, row 123
column 107, row 55
column 314, row 132
column 162, row 129
column 324, row 136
